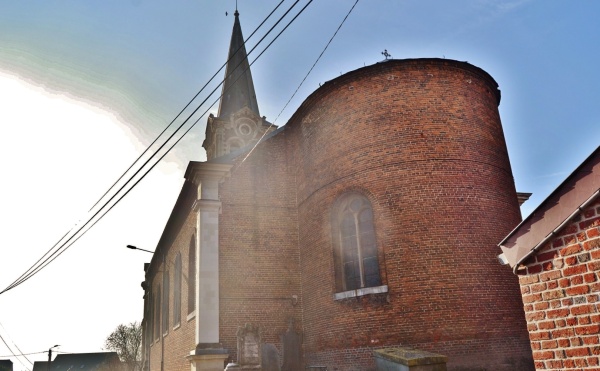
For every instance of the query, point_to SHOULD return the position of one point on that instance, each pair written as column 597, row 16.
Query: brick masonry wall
column 561, row 294
column 179, row 340
column 422, row 140
column 258, row 242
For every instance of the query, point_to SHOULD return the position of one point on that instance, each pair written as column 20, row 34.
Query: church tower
column 238, row 122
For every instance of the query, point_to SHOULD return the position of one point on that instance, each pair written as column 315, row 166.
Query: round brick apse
column 422, row 141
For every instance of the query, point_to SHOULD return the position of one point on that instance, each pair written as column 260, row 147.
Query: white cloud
column 59, row 156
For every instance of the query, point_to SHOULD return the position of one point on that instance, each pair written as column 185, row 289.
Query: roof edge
column 464, row 65
column 511, row 255
column 555, row 191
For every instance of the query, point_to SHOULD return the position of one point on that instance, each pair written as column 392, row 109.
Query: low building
column 555, row 252
column 102, row 361
column 6, row 365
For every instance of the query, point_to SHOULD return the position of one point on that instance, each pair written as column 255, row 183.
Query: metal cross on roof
column 386, row 54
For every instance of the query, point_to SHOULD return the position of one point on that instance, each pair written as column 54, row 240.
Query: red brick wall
column 560, row 291
column 422, row 140
column 258, row 245
column 179, row 340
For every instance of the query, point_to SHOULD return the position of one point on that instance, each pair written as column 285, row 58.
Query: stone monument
column 248, row 349
column 292, row 349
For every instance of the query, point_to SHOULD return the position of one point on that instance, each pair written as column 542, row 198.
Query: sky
column 86, row 86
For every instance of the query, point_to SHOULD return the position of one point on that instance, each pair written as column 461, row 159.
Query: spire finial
column 236, row 11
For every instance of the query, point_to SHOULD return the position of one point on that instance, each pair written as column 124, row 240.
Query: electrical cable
column 301, row 82
column 317, row 61
column 24, row 354
column 11, row 351
column 32, row 271
column 186, row 106
column 66, row 244
column 62, row 248
column 156, row 163
column 151, row 144
column 16, row 346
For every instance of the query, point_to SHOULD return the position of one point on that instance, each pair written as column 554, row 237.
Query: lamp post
column 146, row 310
column 137, row 248
column 50, row 355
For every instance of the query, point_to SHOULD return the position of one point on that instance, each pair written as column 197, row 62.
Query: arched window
column 177, row 291
column 149, row 334
column 165, row 302
column 157, row 298
column 234, row 143
column 192, row 276
column 355, row 248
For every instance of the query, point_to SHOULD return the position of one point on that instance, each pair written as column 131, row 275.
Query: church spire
column 238, row 88
column 238, row 123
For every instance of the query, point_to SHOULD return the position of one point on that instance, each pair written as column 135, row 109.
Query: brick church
column 370, row 220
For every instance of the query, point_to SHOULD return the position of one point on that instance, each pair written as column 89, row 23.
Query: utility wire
column 302, row 82
column 32, row 268
column 32, row 271
column 317, row 61
column 67, row 243
column 23, row 354
column 63, row 248
column 173, row 145
column 13, row 354
column 11, row 340
column 177, row 141
column 188, row 104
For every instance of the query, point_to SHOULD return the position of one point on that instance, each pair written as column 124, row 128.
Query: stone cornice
column 207, row 205
column 197, row 172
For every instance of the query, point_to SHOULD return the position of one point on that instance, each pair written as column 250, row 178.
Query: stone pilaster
column 208, row 360
column 208, row 354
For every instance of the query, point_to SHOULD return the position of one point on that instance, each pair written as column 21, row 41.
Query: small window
column 192, row 276
column 234, row 143
column 165, row 303
column 355, row 248
column 177, row 291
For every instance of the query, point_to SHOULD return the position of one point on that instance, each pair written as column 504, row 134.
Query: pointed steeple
column 238, row 88
column 238, row 123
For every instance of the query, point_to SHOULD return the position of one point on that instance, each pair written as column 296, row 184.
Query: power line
column 64, row 245
column 33, row 353
column 23, row 354
column 302, row 82
column 35, row 267
column 195, row 122
column 12, row 341
column 317, row 61
column 173, row 145
column 48, row 259
column 181, row 137
column 13, row 353
column 69, row 242
column 186, row 106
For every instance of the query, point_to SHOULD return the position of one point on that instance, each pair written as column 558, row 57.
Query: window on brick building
column 192, row 276
column 165, row 303
column 149, row 320
column 177, row 291
column 355, row 248
column 157, row 313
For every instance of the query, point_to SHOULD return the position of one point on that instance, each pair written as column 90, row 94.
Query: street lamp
column 137, row 248
column 50, row 355
column 145, row 322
